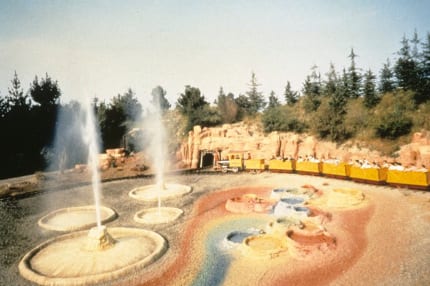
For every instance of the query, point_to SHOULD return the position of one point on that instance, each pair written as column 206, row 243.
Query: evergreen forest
column 382, row 107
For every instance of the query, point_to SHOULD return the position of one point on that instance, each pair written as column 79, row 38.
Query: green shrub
column 393, row 116
column 282, row 118
column 329, row 123
column 421, row 117
column 393, row 125
column 357, row 117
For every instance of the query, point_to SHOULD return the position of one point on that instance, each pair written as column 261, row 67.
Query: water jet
column 97, row 256
column 160, row 190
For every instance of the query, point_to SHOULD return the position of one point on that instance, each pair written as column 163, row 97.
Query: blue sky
column 102, row 48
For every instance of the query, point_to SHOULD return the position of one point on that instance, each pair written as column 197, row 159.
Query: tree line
column 352, row 103
column 336, row 106
column 27, row 121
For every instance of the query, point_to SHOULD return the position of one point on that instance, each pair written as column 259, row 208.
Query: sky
column 102, row 48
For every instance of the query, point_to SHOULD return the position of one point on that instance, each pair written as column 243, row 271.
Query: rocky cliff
column 249, row 139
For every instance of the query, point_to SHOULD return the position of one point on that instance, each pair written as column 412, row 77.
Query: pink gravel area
column 382, row 242
column 314, row 270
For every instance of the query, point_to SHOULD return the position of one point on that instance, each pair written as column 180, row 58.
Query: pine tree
column 386, row 82
column 312, row 91
column 255, row 97
column 273, row 100
column 406, row 68
column 426, row 58
column 130, row 106
column 46, row 92
column 403, row 65
column 329, row 119
column 221, row 97
column 337, row 112
column 315, row 81
column 415, row 41
column 190, row 100
column 369, row 90
column 291, row 97
column 307, row 86
column 331, row 82
column 418, row 78
column 17, row 100
column 425, row 64
column 331, row 116
column 354, row 77
column 192, row 104
column 4, row 106
column 117, row 117
column 343, row 86
column 244, row 105
column 227, row 107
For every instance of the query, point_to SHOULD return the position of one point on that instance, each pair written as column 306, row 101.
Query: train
column 412, row 179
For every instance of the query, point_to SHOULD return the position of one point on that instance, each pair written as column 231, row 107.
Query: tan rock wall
column 243, row 138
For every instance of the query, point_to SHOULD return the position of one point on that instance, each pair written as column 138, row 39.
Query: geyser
column 160, row 190
column 97, row 256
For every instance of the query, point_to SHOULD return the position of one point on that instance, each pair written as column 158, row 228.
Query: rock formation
column 240, row 137
column 417, row 153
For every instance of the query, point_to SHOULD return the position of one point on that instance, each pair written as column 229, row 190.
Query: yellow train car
column 368, row 175
column 254, row 165
column 235, row 160
column 307, row 167
column 341, row 169
column 413, row 179
column 281, row 166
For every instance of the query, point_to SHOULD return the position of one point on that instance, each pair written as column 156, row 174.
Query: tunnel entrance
column 207, row 158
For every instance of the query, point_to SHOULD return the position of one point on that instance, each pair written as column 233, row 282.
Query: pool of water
column 217, row 257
